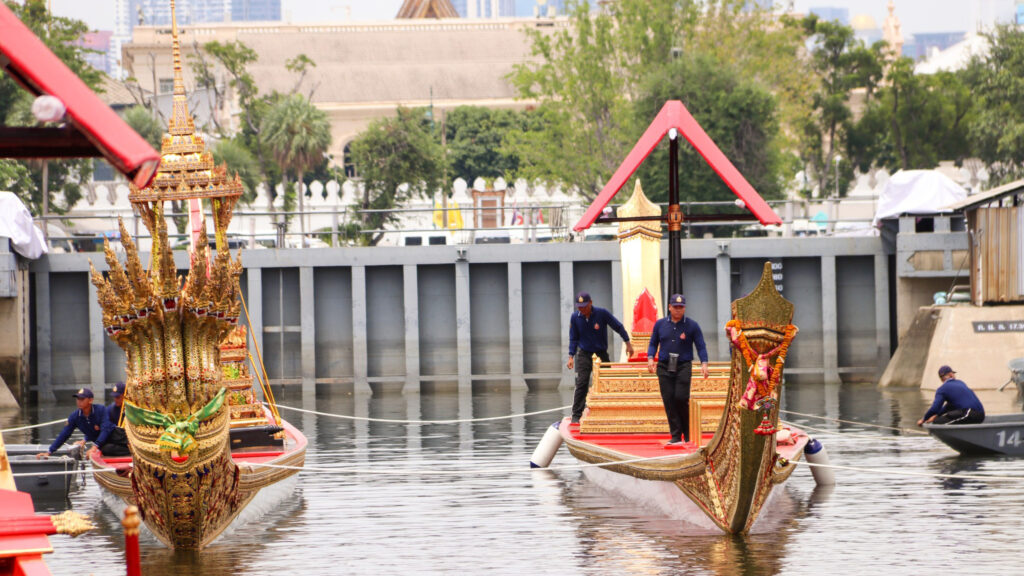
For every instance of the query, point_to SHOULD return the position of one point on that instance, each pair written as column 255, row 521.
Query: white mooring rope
column 391, row 421
column 51, row 423
column 868, row 424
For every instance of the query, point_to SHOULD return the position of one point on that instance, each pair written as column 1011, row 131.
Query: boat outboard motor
column 815, row 453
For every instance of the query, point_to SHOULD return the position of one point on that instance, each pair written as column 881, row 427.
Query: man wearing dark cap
column 91, row 420
column 117, row 442
column 673, row 339
column 114, row 409
column 588, row 335
column 954, row 403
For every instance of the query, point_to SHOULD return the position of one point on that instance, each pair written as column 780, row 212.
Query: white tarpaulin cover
column 917, row 192
column 16, row 224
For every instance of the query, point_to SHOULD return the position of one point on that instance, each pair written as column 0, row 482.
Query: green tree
column 915, row 121
column 239, row 160
column 396, row 158
column 143, row 122
column 595, row 81
column 299, row 134
column 584, row 95
column 475, row 141
column 63, row 176
column 738, row 114
column 996, row 132
column 841, row 64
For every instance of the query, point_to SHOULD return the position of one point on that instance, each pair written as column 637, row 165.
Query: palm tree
column 298, row 134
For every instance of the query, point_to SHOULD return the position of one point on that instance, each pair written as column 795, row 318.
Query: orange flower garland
column 750, row 356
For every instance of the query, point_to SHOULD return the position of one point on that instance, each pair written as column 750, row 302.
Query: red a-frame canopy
column 93, row 128
column 674, row 115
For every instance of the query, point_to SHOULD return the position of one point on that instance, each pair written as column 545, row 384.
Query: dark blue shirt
column 96, row 427
column 114, row 412
column 668, row 337
column 956, row 396
column 590, row 334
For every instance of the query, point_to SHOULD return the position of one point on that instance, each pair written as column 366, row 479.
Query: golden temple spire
column 181, row 123
column 187, row 170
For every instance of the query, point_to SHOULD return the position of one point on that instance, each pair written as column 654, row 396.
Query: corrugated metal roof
column 975, row 200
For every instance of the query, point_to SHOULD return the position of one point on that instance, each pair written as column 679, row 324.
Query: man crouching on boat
column 672, row 342
column 954, row 403
column 91, row 419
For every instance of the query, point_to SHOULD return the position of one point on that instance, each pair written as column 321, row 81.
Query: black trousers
column 960, row 417
column 675, row 395
column 116, row 444
column 584, row 366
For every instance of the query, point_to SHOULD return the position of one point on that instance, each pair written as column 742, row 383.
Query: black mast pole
column 675, row 219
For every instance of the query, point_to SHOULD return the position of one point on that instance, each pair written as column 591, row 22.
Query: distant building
column 100, row 42
column 255, row 10
column 751, row 5
column 485, row 8
column 364, row 70
column 866, row 28
column 921, row 46
column 829, row 14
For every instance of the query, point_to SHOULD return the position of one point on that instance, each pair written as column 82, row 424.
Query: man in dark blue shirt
column 114, row 409
column 117, row 442
column 92, row 420
column 954, row 403
column 672, row 341
column 588, row 335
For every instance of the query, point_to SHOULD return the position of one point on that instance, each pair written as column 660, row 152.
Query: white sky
column 915, row 15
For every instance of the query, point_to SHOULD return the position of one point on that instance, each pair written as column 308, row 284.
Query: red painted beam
column 674, row 115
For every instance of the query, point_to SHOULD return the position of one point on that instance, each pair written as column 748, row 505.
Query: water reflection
column 558, row 521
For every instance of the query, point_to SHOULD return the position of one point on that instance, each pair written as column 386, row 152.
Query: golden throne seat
column 625, row 398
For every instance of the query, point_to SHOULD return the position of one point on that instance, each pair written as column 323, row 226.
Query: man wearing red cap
column 954, row 403
column 588, row 335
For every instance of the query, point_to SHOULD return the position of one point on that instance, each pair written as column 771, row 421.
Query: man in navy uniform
column 91, row 419
column 588, row 335
column 954, row 403
column 672, row 341
column 114, row 409
column 117, row 442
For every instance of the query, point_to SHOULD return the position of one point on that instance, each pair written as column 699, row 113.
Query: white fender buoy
column 815, row 453
column 545, row 451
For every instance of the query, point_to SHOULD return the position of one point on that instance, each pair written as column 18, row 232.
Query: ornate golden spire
column 186, row 169
column 181, row 122
column 639, row 205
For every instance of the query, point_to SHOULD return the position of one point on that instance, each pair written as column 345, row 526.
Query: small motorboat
column 47, row 484
column 998, row 434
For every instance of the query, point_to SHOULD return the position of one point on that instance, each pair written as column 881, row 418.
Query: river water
column 403, row 514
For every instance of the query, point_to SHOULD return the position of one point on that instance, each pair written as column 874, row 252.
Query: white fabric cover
column 917, row 192
column 16, row 224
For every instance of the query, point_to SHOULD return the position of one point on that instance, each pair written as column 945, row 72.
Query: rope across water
column 393, row 421
column 30, row 426
column 904, row 430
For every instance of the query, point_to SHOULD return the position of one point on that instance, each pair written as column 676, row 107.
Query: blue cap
column 83, row 393
column 677, row 300
column 119, row 389
column 582, row 299
column 945, row 370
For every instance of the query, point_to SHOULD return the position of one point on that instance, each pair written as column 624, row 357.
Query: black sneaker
column 575, row 421
column 674, row 442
